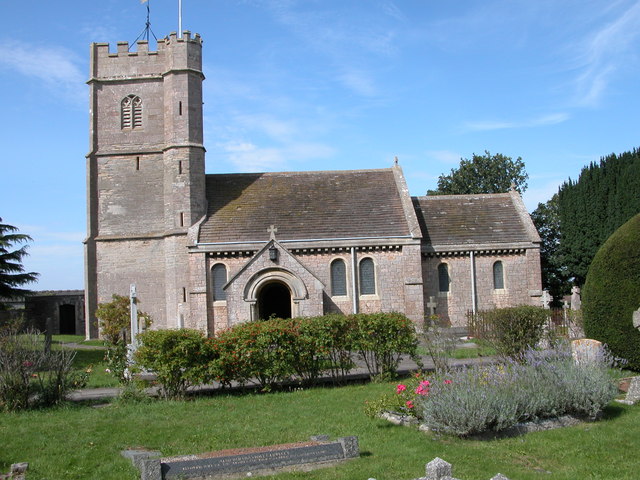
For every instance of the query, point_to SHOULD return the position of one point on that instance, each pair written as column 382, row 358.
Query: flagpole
column 179, row 18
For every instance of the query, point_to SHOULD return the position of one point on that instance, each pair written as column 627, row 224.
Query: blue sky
column 323, row 85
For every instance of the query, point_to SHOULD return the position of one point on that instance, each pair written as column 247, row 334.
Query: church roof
column 303, row 206
column 479, row 220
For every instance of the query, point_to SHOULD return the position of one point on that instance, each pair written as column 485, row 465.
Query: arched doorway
column 67, row 319
column 274, row 299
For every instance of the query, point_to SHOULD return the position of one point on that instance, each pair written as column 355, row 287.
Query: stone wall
column 521, row 283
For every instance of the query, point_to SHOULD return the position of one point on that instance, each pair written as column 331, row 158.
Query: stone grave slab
column 237, row 463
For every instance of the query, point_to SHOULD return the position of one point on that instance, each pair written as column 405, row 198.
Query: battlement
column 173, row 53
column 142, row 46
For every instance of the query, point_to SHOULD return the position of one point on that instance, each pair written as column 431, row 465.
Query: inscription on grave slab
column 225, row 464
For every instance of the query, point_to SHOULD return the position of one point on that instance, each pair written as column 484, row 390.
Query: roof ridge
column 304, row 172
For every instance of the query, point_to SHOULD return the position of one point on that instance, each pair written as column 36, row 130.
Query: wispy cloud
column 604, row 52
column 55, row 67
column 444, row 156
column 248, row 157
column 486, row 125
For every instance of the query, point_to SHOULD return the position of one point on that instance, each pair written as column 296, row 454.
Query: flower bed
column 477, row 399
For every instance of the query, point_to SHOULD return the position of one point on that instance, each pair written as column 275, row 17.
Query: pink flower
column 447, row 382
column 27, row 364
column 400, row 388
column 409, row 404
column 421, row 390
column 425, row 383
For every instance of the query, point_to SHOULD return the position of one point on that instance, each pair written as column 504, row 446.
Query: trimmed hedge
column 611, row 293
column 278, row 350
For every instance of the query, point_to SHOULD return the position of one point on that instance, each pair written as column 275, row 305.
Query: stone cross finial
column 272, row 230
column 395, row 161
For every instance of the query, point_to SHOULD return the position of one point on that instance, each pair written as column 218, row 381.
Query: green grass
column 80, row 442
column 483, row 349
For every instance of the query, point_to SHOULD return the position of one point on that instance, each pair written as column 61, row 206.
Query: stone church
column 210, row 251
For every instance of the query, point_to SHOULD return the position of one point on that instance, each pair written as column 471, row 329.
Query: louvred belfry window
column 131, row 112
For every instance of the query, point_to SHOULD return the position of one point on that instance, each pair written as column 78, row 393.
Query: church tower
column 145, row 174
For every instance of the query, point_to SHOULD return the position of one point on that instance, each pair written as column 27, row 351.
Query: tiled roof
column 303, row 205
column 448, row 220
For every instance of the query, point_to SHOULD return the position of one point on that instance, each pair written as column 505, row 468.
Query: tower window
column 218, row 280
column 131, row 112
column 367, row 277
column 179, row 108
column 137, row 163
column 179, row 167
column 338, row 278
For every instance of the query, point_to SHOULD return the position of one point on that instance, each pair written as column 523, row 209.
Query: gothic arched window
column 443, row 277
column 498, row 276
column 218, row 280
column 131, row 112
column 367, row 277
column 338, row 278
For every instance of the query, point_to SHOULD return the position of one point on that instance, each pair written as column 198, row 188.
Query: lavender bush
column 540, row 384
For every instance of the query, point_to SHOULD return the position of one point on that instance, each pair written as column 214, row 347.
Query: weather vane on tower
column 147, row 27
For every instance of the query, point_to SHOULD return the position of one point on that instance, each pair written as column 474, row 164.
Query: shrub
column 381, row 339
column 328, row 341
column 512, row 330
column 259, row 351
column 541, row 384
column 610, row 294
column 30, row 376
column 439, row 341
column 179, row 358
column 114, row 318
column 478, row 398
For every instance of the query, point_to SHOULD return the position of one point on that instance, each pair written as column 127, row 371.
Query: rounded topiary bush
column 611, row 293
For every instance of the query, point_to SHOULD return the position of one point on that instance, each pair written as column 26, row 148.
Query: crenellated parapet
column 172, row 54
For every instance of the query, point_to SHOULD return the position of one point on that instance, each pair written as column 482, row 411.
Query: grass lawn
column 80, row 442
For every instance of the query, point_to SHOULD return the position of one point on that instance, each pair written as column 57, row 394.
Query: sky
column 324, row 85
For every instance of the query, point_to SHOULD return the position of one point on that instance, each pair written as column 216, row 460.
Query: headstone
column 586, row 351
column 576, row 302
column 437, row 469
column 546, row 299
column 431, row 305
column 633, row 394
column 635, row 318
column 246, row 462
column 47, row 335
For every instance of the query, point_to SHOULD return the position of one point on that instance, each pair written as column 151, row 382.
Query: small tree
column 12, row 274
column 114, row 318
column 483, row 174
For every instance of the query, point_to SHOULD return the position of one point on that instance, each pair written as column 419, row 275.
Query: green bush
column 512, row 330
column 381, row 339
column 611, row 293
column 32, row 377
column 179, row 358
column 260, row 351
column 541, row 384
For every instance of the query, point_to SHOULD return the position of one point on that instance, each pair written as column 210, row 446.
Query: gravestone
column 240, row 463
column 586, row 351
column 635, row 318
column 576, row 302
column 546, row 299
column 438, row 469
column 633, row 393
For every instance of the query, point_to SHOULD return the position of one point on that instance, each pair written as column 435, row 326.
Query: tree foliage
column 605, row 196
column 555, row 277
column 114, row 317
column 12, row 274
column 483, row 174
column 612, row 293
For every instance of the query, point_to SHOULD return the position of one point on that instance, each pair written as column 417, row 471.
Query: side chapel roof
column 449, row 221
column 304, row 206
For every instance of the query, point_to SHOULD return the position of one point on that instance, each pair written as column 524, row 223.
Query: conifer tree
column 12, row 274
